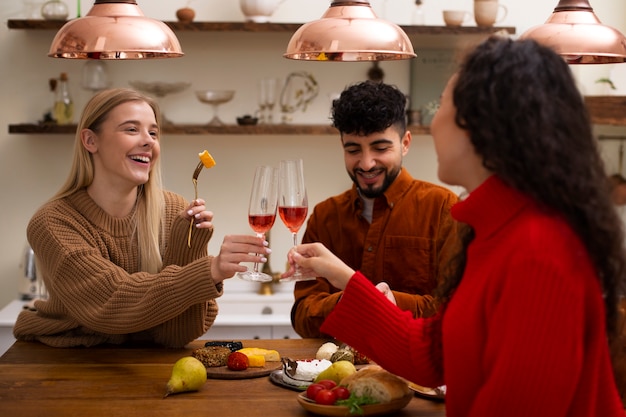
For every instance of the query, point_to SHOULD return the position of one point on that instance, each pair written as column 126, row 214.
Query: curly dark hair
column 526, row 117
column 369, row 107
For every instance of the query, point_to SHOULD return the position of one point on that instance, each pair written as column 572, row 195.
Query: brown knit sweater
column 90, row 264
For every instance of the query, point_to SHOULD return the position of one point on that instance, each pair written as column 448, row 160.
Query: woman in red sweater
column 529, row 310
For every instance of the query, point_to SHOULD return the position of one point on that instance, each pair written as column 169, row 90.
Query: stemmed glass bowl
column 215, row 98
column 160, row 89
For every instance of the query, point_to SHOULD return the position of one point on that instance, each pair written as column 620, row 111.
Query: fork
column 194, row 179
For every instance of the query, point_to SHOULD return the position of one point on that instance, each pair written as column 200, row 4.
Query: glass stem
column 295, row 244
column 256, row 264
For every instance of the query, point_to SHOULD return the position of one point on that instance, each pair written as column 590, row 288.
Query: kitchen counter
column 130, row 381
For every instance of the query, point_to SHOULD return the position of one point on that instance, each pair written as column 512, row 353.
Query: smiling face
column 125, row 146
column 374, row 161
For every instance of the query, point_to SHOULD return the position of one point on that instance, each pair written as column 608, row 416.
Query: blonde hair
column 149, row 213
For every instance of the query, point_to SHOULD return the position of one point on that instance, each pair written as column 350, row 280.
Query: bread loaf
column 212, row 356
column 376, row 383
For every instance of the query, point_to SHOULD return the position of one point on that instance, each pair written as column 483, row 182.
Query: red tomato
column 328, row 383
column 238, row 361
column 313, row 389
column 342, row 392
column 326, row 397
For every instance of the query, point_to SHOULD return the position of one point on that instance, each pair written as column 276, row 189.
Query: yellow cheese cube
column 206, row 159
column 269, row 354
column 256, row 361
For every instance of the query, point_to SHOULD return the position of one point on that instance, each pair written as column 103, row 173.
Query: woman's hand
column 201, row 216
column 234, row 250
column 384, row 288
column 315, row 259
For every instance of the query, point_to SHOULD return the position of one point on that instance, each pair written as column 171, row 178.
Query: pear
column 188, row 374
column 337, row 371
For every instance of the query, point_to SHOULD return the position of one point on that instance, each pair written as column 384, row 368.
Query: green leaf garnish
column 354, row 403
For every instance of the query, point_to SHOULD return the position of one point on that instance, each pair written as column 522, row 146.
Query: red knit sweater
column 524, row 334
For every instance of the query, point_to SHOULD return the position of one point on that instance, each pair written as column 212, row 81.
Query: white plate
column 277, row 378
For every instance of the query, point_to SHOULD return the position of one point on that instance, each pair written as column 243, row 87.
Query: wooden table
column 36, row 380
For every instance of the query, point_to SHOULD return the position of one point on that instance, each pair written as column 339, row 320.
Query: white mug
column 489, row 12
column 455, row 18
column 259, row 11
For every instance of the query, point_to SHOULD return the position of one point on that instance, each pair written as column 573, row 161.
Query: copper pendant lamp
column 115, row 29
column 574, row 31
column 349, row 31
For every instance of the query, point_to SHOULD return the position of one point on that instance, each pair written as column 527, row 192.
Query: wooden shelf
column 607, row 110
column 431, row 36
column 604, row 110
column 39, row 24
column 187, row 129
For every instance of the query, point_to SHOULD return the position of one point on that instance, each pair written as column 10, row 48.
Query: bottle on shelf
column 417, row 17
column 63, row 111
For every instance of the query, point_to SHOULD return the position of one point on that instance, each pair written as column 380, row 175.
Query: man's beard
column 371, row 191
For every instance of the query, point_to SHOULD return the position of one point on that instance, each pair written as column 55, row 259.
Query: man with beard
column 395, row 229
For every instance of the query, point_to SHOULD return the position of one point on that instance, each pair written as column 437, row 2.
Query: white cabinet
column 245, row 315
column 250, row 332
column 7, row 319
column 242, row 315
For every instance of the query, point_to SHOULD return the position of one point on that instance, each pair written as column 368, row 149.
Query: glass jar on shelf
column 54, row 10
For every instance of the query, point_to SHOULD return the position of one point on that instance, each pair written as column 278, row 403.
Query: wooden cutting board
column 222, row 372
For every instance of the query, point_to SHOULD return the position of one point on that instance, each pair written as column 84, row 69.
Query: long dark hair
column 527, row 119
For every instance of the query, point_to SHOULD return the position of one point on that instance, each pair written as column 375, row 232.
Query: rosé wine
column 293, row 217
column 261, row 223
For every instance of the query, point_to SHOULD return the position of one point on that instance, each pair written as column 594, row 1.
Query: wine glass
column 293, row 204
column 268, row 92
column 262, row 212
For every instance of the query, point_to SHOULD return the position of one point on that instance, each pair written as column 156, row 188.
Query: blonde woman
column 112, row 244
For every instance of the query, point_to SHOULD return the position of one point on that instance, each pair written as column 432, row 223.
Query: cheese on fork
column 206, row 159
column 270, row 355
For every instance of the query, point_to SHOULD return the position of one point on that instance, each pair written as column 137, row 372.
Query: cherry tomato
column 326, row 397
column 238, row 361
column 328, row 383
column 313, row 389
column 342, row 392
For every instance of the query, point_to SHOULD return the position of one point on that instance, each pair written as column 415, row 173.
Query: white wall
column 33, row 166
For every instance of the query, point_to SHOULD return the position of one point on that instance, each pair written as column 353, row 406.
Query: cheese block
column 256, row 361
column 206, row 159
column 270, row 355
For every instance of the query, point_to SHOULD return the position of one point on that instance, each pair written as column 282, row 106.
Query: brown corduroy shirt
column 407, row 244
column 90, row 264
